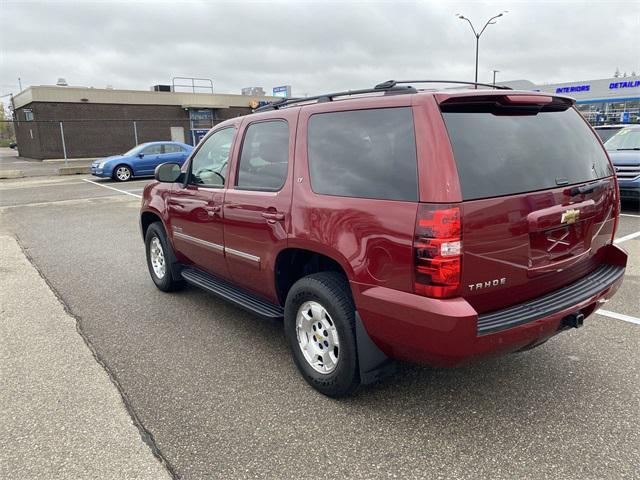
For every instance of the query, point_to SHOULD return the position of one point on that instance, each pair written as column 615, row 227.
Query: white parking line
column 629, row 215
column 627, row 237
column 113, row 188
column 619, row 316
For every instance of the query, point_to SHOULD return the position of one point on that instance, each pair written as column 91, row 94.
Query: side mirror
column 168, row 173
column 141, row 155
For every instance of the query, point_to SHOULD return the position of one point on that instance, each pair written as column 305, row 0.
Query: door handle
column 273, row 216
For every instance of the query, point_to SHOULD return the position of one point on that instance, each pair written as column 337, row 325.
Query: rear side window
column 364, row 153
column 507, row 154
column 264, row 157
column 171, row 148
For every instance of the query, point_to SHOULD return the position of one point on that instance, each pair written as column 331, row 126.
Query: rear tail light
column 438, row 251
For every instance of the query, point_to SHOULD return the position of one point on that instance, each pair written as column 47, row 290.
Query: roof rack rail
column 392, row 83
column 390, row 87
column 328, row 97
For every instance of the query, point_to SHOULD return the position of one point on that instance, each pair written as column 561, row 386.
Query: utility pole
column 494, row 76
column 20, row 83
column 478, row 35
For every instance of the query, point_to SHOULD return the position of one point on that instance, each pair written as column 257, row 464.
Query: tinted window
column 364, row 153
column 209, row 164
column 152, row 150
column 264, row 157
column 171, row 148
column 506, row 154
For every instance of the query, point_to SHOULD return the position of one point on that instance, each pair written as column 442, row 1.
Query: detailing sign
column 629, row 84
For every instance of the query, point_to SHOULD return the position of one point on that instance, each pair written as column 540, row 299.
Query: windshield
column 625, row 139
column 134, row 150
column 606, row 133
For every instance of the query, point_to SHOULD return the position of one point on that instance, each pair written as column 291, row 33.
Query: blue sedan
column 140, row 161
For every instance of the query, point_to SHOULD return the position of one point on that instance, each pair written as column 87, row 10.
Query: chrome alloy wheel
column 123, row 174
column 156, row 255
column 317, row 337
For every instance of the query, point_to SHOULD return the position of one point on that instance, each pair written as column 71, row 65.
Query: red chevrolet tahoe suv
column 430, row 226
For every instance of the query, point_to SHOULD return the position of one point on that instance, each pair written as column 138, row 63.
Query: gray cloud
column 314, row 46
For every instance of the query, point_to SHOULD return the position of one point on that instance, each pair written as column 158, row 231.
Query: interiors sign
column 573, row 88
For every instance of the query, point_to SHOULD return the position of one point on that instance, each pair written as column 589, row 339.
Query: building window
column 28, row 115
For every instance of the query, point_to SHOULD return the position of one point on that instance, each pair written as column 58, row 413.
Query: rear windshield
column 506, row 154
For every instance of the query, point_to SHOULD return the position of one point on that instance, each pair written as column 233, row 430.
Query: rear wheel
column 319, row 324
column 122, row 173
column 159, row 258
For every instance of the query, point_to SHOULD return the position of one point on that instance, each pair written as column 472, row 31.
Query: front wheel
column 319, row 322
column 122, row 173
column 159, row 258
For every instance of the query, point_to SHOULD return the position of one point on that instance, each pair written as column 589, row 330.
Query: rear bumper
column 450, row 332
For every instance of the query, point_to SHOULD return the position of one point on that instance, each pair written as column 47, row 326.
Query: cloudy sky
column 313, row 46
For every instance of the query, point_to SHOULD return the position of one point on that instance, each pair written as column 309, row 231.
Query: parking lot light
column 477, row 34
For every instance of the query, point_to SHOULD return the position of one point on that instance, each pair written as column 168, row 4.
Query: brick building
column 102, row 122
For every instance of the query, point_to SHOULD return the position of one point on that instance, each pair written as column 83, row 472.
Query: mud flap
column 374, row 364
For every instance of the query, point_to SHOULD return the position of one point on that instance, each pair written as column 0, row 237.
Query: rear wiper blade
column 589, row 188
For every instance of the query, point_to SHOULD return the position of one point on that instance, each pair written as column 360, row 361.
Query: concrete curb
column 11, row 174
column 70, row 160
column 74, row 170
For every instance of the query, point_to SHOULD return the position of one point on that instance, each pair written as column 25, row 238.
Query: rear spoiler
column 504, row 103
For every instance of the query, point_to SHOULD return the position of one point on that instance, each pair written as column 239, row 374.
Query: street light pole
column 477, row 48
column 479, row 34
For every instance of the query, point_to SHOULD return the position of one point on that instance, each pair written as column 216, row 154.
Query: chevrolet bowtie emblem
column 570, row 216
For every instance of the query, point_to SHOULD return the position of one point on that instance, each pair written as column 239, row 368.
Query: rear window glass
column 364, row 153
column 506, row 154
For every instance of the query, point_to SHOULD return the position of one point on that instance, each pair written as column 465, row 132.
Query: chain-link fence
column 44, row 139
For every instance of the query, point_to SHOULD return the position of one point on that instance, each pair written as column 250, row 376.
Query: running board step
column 233, row 294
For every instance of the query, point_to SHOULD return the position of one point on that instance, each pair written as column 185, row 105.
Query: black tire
column 124, row 168
column 331, row 290
column 167, row 282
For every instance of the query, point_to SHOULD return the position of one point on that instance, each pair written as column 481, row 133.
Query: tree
column 617, row 73
column 6, row 124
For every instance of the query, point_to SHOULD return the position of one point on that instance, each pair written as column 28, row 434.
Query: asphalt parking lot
column 219, row 397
